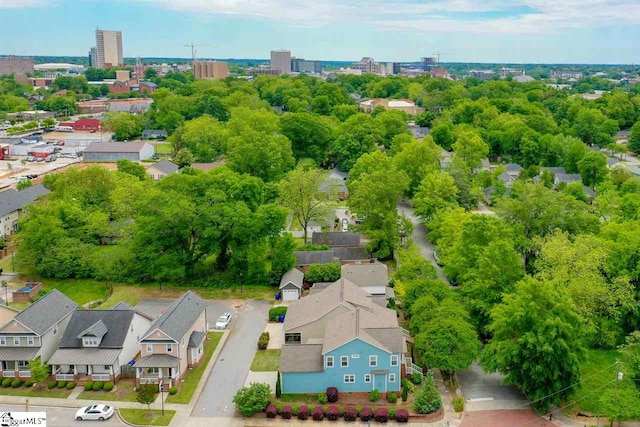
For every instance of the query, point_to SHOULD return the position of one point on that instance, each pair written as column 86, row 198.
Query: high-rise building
column 300, row 65
column 17, row 65
column 210, row 70
column 109, row 52
column 93, row 57
column 392, row 68
column 428, row 63
column 281, row 61
column 368, row 65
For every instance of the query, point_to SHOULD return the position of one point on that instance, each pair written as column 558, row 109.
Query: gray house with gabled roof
column 161, row 169
column 173, row 343
column 34, row 332
column 97, row 343
column 13, row 203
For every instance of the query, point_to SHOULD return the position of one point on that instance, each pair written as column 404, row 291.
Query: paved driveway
column 420, row 239
column 231, row 369
column 486, row 391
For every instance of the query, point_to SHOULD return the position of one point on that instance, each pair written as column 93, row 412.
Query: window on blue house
column 367, row 378
column 344, row 361
column 394, row 360
column 373, row 360
column 392, row 378
column 329, row 363
column 349, row 378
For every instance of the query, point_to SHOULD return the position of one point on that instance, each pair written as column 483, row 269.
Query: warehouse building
column 114, row 151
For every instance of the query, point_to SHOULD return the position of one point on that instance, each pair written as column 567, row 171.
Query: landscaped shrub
column 278, row 386
column 272, row 411
column 381, row 415
column 252, row 399
column 322, row 398
column 98, row 385
column 427, row 400
column 332, row 394
column 458, row 404
column 416, row 378
column 88, row 386
column 62, row 384
column 71, row 385
column 333, row 413
column 318, row 413
column 263, row 341
column 303, row 412
column 50, row 384
column 402, row 416
column 276, row 312
column 374, row 395
column 29, row 383
column 287, row 412
column 350, row 413
column 366, row 414
column 405, row 389
column 392, row 397
column 294, row 410
column 16, row 383
column 392, row 413
column 279, row 408
column 7, row 382
column 108, row 386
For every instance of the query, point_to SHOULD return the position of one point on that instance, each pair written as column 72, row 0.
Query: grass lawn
column 81, row 291
column 124, row 393
column 194, row 376
column 266, row 361
column 144, row 417
column 163, row 148
column 298, row 398
column 598, row 373
column 7, row 265
column 38, row 391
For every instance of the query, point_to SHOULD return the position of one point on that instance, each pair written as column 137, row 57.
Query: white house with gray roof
column 173, row 343
column 159, row 170
column 97, row 343
column 12, row 204
column 291, row 284
column 34, row 332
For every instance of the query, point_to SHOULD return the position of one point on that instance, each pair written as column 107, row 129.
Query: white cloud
column 21, row 4
column 518, row 16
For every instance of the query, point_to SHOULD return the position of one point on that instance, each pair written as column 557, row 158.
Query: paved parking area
column 262, row 377
column 486, row 391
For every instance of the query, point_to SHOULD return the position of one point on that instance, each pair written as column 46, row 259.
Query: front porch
column 84, row 373
column 158, row 369
column 16, row 369
column 14, row 361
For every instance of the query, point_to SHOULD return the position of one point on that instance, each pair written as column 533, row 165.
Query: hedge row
column 333, row 413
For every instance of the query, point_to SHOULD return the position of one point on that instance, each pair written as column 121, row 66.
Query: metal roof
column 46, row 312
column 18, row 353
column 114, row 147
column 84, row 356
column 157, row 361
column 179, row 317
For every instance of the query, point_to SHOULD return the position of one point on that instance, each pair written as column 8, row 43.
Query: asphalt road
column 488, row 390
column 420, row 239
column 62, row 417
column 231, row 369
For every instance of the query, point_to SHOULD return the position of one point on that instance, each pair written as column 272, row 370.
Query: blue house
column 341, row 338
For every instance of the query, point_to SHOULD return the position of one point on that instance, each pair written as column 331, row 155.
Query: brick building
column 16, row 65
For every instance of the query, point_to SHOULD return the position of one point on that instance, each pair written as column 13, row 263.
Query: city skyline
column 522, row 31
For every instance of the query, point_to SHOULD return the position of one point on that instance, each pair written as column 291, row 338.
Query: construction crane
column 194, row 50
column 438, row 54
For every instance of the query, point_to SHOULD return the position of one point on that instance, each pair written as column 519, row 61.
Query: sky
column 502, row 31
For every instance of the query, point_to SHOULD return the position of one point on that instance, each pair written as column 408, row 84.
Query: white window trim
column 329, row 358
column 16, row 339
column 149, row 348
column 169, row 348
column 351, row 377
column 392, row 378
column 31, row 341
column 394, row 360
column 342, row 358
column 367, row 378
column 3, row 340
column 373, row 361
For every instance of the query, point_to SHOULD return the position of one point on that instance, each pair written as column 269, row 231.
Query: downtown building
column 108, row 51
column 16, row 65
column 210, row 70
column 281, row 61
column 300, row 65
column 368, row 65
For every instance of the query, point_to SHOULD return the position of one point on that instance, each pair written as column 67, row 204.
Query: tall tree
column 437, row 191
column 310, row 135
column 309, row 194
column 470, row 148
column 593, row 168
column 416, row 159
column 537, row 342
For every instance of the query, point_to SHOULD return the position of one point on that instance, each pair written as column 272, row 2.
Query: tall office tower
column 109, row 52
column 210, row 70
column 281, row 61
column 93, row 57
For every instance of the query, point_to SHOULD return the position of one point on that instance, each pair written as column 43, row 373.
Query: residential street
column 420, row 239
column 232, row 366
column 62, row 417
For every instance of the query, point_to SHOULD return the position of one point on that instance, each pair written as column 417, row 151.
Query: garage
column 291, row 284
column 290, row 294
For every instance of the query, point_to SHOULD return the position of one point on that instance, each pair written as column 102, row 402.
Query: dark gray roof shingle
column 176, row 321
column 348, row 238
column 301, row 358
column 350, row 254
column 314, row 257
column 116, row 322
column 166, row 166
column 196, row 338
column 12, row 200
column 98, row 329
column 46, row 312
column 293, row 276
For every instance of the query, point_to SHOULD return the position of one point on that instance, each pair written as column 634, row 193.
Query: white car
column 95, row 412
column 223, row 321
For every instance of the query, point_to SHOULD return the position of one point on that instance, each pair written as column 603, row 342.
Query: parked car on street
column 223, row 321
column 95, row 412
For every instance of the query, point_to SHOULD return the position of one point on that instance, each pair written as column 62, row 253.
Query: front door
column 380, row 382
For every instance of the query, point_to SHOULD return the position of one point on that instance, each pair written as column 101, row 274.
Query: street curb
column 123, row 421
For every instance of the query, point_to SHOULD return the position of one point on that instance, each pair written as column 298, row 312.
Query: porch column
column 89, row 369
